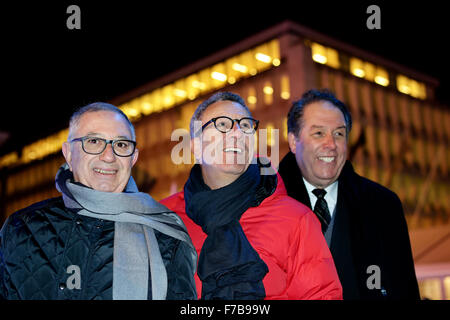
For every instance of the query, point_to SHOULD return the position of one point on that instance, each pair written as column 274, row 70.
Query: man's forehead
column 323, row 109
column 225, row 107
column 103, row 124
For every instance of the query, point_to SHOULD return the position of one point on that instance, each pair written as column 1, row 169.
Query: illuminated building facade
column 400, row 135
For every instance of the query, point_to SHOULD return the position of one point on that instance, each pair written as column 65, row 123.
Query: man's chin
column 233, row 168
column 107, row 187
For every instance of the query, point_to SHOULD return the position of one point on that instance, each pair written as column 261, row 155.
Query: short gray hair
column 219, row 96
column 94, row 107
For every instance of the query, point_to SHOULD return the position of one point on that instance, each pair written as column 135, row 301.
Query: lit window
column 9, row 159
column 357, row 67
column 271, row 136
column 231, row 80
column 251, row 99
column 199, row 85
column 285, row 129
column 382, row 77
column 268, row 89
column 369, row 71
column 263, row 57
column 192, row 86
column 447, row 287
column 219, row 76
column 325, row 55
column 430, row 288
column 268, row 93
column 274, row 49
column 318, row 53
column 240, row 67
column 285, row 91
column 411, row 87
column 167, row 96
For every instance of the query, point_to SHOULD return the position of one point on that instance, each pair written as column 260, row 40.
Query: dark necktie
column 321, row 209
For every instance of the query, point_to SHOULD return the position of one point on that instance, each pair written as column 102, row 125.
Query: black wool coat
column 370, row 240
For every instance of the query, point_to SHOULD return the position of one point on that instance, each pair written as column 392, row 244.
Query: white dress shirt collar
column 330, row 197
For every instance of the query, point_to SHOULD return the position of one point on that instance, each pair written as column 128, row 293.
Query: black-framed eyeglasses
column 95, row 145
column 225, row 124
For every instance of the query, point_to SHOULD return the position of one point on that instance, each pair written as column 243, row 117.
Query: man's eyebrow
column 101, row 135
column 315, row 126
column 94, row 134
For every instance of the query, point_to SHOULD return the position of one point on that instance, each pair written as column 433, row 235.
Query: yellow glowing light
column 285, row 95
column 382, row 81
column 270, row 136
column 405, row 89
column 9, row 159
column 168, row 101
column 317, row 57
column 263, row 57
column 231, row 80
column 199, row 85
column 285, row 90
column 179, row 93
column 268, row 90
column 240, row 67
column 276, row 62
column 251, row 99
column 219, row 76
column 359, row 72
column 132, row 112
column 147, row 108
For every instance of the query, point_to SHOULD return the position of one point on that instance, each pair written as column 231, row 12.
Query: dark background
column 48, row 71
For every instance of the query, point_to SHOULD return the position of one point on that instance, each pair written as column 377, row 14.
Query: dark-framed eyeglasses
column 95, row 145
column 225, row 124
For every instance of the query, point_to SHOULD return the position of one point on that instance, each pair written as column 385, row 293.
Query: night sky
column 50, row 70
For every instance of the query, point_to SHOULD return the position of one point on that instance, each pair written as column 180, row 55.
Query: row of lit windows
column 435, row 288
column 246, row 64
column 38, row 174
column 407, row 186
column 366, row 70
column 36, row 150
column 419, row 151
column 159, row 129
column 383, row 106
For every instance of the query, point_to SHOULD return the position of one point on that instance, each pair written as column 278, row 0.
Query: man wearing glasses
column 253, row 241
column 103, row 239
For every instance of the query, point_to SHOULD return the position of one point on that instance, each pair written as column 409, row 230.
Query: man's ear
column 135, row 157
column 67, row 152
column 292, row 140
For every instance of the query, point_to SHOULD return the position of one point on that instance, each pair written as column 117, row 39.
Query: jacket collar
column 293, row 179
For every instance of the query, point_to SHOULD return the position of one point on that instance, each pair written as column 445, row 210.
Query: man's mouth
column 327, row 159
column 105, row 171
column 238, row 150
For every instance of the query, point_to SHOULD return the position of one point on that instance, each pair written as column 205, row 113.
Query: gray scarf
column 136, row 215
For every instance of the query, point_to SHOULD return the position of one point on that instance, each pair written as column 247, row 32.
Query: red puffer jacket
column 287, row 236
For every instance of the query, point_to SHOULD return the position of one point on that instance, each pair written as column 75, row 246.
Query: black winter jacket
column 39, row 244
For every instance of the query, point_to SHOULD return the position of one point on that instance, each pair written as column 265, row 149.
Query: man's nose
column 236, row 130
column 330, row 141
column 108, row 154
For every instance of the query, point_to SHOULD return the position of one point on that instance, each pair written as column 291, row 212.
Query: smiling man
column 362, row 221
column 253, row 241
column 103, row 239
